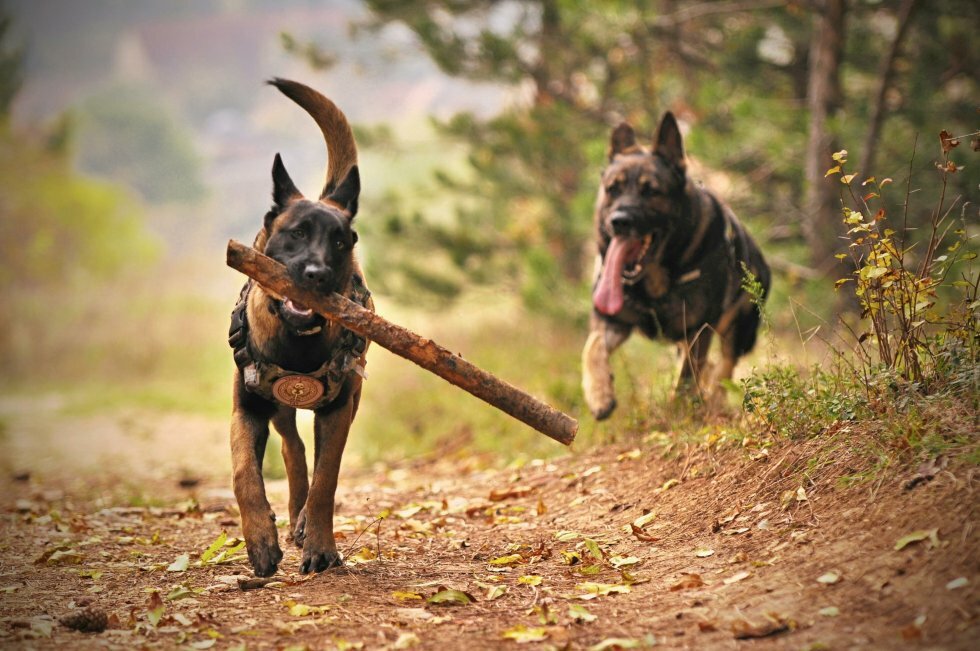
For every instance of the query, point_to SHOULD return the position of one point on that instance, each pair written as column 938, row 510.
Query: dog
column 289, row 357
column 671, row 263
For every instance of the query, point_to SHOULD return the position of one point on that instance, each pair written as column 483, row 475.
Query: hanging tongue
column 608, row 294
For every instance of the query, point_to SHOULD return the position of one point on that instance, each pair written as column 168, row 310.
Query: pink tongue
column 608, row 294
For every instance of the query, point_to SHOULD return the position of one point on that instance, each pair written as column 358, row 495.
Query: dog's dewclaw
column 405, row 343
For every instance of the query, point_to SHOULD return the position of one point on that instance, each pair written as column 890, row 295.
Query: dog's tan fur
column 311, row 506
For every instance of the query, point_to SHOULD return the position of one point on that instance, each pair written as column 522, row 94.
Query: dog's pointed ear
column 283, row 188
column 669, row 145
column 347, row 191
column 283, row 192
column 623, row 138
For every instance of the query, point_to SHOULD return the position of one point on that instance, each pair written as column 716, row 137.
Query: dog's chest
column 673, row 306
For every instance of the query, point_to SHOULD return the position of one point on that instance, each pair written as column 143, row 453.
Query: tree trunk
column 822, row 222
column 885, row 74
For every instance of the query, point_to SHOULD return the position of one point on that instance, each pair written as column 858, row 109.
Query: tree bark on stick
column 405, row 343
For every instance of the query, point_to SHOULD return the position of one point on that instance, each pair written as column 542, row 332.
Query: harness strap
column 299, row 390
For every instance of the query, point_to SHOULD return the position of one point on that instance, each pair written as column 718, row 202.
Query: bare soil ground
column 622, row 547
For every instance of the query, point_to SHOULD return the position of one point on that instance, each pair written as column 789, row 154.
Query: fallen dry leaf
column 522, row 634
column 450, row 597
column 641, row 535
column 579, row 613
column 743, row 629
column 593, row 590
column 918, row 536
column 735, row 578
column 829, row 578
column 511, row 492
column 687, row 582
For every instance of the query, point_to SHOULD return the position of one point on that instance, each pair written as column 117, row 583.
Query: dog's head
column 314, row 240
column 638, row 206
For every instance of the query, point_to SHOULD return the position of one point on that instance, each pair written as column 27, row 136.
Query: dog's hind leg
column 331, row 429
column 723, row 372
column 294, row 456
column 693, row 363
column 597, row 377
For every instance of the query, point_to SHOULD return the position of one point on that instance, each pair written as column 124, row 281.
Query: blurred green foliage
column 61, row 236
column 736, row 72
column 58, row 227
column 126, row 134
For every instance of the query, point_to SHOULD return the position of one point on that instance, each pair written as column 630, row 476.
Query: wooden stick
column 405, row 343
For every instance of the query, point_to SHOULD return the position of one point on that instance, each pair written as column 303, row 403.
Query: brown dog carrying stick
column 289, row 357
column 405, row 343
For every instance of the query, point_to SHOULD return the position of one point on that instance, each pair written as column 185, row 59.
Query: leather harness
column 289, row 388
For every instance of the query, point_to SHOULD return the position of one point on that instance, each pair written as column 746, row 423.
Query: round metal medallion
column 297, row 390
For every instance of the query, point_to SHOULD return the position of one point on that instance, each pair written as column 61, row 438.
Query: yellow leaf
column 496, row 591
column 530, row 579
column 510, row 559
column 847, row 178
column 833, row 170
column 593, row 590
column 840, row 156
column 623, row 561
column 522, row 634
column 366, row 555
column 404, row 595
column 917, row 536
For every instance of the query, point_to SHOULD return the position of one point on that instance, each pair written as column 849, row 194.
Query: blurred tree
column 770, row 87
column 11, row 62
column 57, row 229
column 824, row 101
column 128, row 136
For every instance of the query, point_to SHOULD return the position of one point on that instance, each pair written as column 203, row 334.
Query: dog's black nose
column 317, row 275
column 621, row 223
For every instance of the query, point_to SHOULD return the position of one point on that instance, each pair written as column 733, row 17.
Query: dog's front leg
column 597, row 377
column 249, row 434
column 331, row 429
column 294, row 456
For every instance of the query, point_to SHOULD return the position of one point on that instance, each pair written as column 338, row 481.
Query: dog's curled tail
column 341, row 148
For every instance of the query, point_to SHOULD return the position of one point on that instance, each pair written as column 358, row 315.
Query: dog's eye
column 340, row 244
column 298, row 233
column 615, row 189
column 647, row 190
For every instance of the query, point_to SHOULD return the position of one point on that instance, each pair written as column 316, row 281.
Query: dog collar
column 289, row 388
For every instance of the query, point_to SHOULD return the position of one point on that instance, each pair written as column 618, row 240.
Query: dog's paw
column 298, row 533
column 604, row 411
column 319, row 560
column 264, row 556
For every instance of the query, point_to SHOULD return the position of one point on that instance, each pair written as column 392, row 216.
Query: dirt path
column 737, row 554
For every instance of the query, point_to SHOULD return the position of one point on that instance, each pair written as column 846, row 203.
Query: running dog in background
column 671, row 264
column 289, row 357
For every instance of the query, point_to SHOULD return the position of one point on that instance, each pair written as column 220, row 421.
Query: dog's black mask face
column 314, row 240
column 638, row 206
